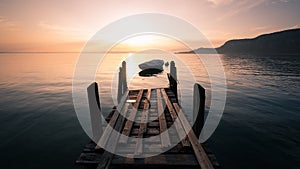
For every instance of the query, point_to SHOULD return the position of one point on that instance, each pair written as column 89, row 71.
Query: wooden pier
column 154, row 111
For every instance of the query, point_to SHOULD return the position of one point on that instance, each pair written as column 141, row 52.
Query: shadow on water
column 150, row 72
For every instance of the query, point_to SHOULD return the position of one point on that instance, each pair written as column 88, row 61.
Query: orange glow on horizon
column 50, row 26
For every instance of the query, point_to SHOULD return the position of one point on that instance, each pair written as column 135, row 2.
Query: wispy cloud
column 56, row 28
column 220, row 2
column 236, row 6
column 295, row 26
column 284, row 1
column 73, row 33
column 8, row 25
column 260, row 28
column 279, row 1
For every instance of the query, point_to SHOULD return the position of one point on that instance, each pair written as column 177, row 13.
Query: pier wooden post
column 198, row 109
column 120, row 85
column 124, row 77
column 172, row 76
column 122, row 82
column 95, row 110
column 173, row 70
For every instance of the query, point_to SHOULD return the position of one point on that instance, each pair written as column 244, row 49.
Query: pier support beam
column 95, row 110
column 124, row 76
column 198, row 109
column 173, row 70
column 122, row 82
column 172, row 76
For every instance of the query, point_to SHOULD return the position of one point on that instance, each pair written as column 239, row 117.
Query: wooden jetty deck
column 154, row 111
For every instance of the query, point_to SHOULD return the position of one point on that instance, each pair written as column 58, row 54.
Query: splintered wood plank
column 108, row 130
column 143, row 125
column 88, row 158
column 160, row 160
column 152, row 148
column 107, row 157
column 200, row 154
column 180, row 131
column 150, row 131
column 132, row 114
column 165, row 140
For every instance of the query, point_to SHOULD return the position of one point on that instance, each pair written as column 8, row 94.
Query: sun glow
column 142, row 40
column 145, row 42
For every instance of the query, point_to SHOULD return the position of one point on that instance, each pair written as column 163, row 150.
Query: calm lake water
column 260, row 127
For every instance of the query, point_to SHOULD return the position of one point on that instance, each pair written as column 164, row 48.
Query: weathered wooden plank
column 162, row 159
column 88, row 158
column 107, row 157
column 180, row 131
column 150, row 124
column 108, row 130
column 132, row 114
column 152, row 148
column 165, row 140
column 201, row 155
column 150, row 131
column 151, row 140
column 143, row 125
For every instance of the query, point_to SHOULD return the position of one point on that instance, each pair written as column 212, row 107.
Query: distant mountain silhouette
column 283, row 42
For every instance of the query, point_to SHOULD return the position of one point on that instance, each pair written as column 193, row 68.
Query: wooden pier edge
column 104, row 159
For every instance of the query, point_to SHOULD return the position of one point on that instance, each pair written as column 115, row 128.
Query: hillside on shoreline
column 283, row 42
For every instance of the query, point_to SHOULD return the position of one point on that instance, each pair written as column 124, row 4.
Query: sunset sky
column 65, row 25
